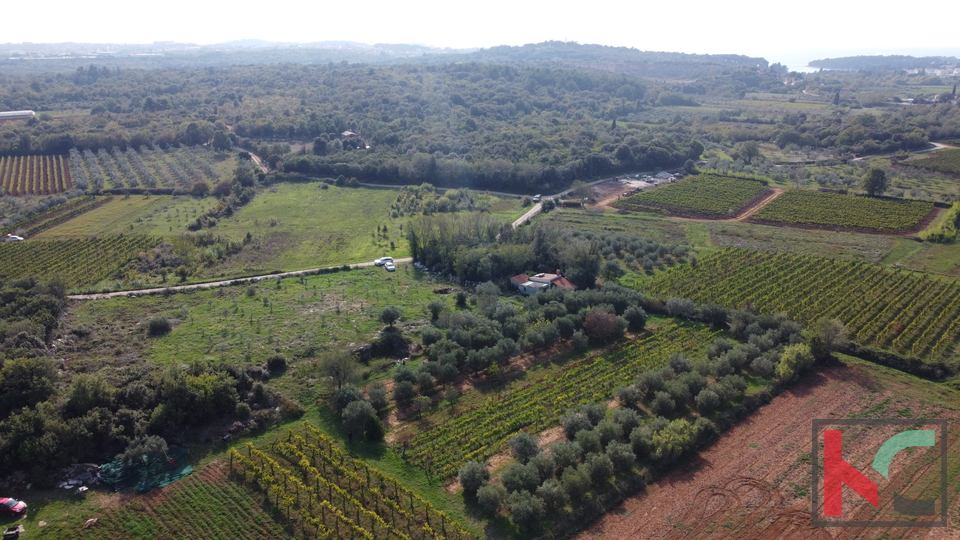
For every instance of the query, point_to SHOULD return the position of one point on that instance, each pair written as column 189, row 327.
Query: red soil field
column 754, row 482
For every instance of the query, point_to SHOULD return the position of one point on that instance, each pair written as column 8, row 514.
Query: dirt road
column 214, row 284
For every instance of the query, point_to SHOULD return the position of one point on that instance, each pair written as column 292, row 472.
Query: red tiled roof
column 520, row 279
column 564, row 282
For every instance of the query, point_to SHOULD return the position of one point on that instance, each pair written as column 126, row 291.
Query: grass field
column 649, row 226
column 144, row 215
column 298, row 226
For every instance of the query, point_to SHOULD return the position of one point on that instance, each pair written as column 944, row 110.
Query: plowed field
column 754, row 482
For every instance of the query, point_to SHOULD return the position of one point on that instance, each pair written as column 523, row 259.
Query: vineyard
column 907, row 312
column 34, row 175
column 947, row 161
column 478, row 433
column 325, row 493
column 77, row 262
column 144, row 168
column 56, row 215
column 704, row 195
column 817, row 209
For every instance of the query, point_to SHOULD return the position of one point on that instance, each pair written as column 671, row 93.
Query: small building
column 349, row 135
column 16, row 115
column 528, row 285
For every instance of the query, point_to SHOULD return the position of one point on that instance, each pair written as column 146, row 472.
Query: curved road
column 214, row 284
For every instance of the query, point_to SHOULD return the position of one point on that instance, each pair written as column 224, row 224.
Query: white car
column 389, row 266
column 382, row 261
column 13, row 238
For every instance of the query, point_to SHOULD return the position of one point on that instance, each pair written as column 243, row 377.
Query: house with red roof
column 528, row 285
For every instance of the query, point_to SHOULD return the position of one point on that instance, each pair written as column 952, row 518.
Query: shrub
column 763, row 367
column 650, row 382
column 523, row 446
column 575, row 483
column 599, row 467
column 636, row 317
column 390, row 315
column 621, row 455
column 356, row 414
column 430, row 335
column 517, row 477
column 473, row 476
column 552, row 494
column 609, row 431
column 159, row 326
column 680, row 363
column 403, row 391
column 404, row 373
column 589, row 440
column 681, row 307
column 545, row 464
column 373, row 430
column 346, row 396
column 580, row 341
column 628, row 419
column 574, row 422
column 243, row 412
column 662, row 404
column 628, row 396
column 566, row 453
column 490, row 497
column 679, row 391
column 707, row 401
column 276, row 365
column 600, row 326
column 526, row 511
column 377, row 394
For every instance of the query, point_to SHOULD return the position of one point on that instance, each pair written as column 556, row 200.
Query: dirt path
column 754, row 482
column 213, row 284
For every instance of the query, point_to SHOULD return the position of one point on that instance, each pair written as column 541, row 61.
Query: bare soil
column 754, row 482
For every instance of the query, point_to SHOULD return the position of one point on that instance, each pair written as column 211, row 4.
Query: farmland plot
column 911, row 313
column 832, row 210
column 34, row 175
column 704, row 195
column 78, row 261
column 947, row 161
column 146, row 168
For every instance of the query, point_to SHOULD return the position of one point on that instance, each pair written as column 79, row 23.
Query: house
column 528, row 285
column 349, row 135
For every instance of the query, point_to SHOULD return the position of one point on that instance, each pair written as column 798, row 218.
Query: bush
column 679, row 391
column 526, row 511
column 566, row 453
column 600, row 326
column 373, row 430
column 517, row 477
column 523, row 446
column 589, row 440
column 403, row 391
column 243, row 412
column 621, row 455
column 574, row 422
column 599, row 467
column 575, row 483
column 159, row 326
column 680, row 363
column 628, row 419
column 763, row 367
column 276, row 365
column 473, row 476
column 552, row 495
column 662, row 404
column 430, row 335
column 377, row 393
column 580, row 341
column 545, row 464
column 346, row 396
column 707, row 401
column 490, row 497
column 637, row 318
column 609, row 431
column 628, row 396
column 356, row 414
column 681, row 307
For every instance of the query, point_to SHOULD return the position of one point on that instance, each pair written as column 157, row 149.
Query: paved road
column 214, row 284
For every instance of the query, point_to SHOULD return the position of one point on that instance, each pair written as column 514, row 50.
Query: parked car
column 536, row 198
column 382, row 261
column 12, row 238
column 12, row 507
column 390, row 267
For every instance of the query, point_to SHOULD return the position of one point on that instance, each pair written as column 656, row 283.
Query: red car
column 12, row 507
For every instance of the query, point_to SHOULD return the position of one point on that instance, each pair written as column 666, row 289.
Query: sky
column 792, row 31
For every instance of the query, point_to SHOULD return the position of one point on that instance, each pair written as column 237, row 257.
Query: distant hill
column 66, row 57
column 885, row 62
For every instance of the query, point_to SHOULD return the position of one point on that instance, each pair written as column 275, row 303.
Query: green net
column 145, row 476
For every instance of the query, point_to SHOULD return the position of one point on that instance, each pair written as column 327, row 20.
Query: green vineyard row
column 813, row 208
column 327, row 494
column 478, row 433
column 709, row 195
column 910, row 313
column 77, row 262
column 944, row 161
column 34, row 175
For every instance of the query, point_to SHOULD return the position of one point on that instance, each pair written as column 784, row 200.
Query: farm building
column 528, row 285
column 16, row 115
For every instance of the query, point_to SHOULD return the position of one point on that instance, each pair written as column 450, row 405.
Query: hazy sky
column 775, row 30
